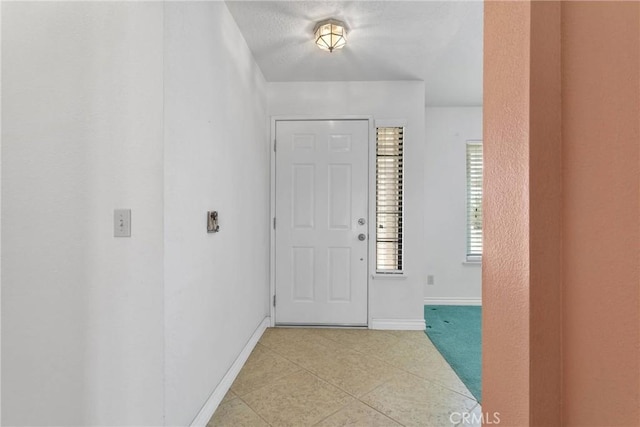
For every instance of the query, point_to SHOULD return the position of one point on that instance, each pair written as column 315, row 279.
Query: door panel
column 303, row 196
column 321, row 192
column 339, row 197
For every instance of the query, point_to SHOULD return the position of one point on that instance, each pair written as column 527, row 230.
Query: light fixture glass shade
column 330, row 35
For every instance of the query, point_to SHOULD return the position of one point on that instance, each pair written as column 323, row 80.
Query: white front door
column 321, row 222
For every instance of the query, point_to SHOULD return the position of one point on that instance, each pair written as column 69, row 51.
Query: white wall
column 140, row 330
column 82, row 134
column 216, row 158
column 446, row 133
column 390, row 299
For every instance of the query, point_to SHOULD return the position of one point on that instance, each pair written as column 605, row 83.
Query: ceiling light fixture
column 330, row 34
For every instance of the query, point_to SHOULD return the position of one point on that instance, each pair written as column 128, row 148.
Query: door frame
column 272, row 196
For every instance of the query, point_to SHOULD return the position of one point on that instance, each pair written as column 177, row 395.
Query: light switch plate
column 122, row 223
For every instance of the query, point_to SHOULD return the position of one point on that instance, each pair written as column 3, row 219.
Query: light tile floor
column 345, row 377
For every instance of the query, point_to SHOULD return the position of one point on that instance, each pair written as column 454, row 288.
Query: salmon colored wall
column 601, row 109
column 505, row 269
column 561, row 269
column 545, row 215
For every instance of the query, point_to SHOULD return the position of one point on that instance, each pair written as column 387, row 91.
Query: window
column 389, row 199
column 474, row 201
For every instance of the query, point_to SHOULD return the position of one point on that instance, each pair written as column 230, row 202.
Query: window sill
column 472, row 262
column 388, row 277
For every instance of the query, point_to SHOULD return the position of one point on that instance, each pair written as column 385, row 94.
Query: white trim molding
column 452, row 301
column 221, row 390
column 399, row 324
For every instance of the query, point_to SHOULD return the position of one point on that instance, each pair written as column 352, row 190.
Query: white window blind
column 389, row 199
column 474, row 201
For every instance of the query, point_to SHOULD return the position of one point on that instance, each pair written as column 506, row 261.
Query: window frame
column 399, row 272
column 471, row 255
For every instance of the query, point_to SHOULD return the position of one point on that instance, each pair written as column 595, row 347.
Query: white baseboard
column 221, row 390
column 452, row 301
column 399, row 324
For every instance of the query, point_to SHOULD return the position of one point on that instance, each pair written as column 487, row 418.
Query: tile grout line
column 301, row 368
column 245, row 403
column 377, row 410
column 471, row 397
column 341, row 389
column 333, row 413
column 328, row 383
column 435, row 382
column 345, row 391
column 354, row 397
column 270, row 383
column 345, row 347
column 255, row 412
column 324, row 380
column 469, row 411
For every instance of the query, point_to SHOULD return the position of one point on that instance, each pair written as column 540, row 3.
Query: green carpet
column 456, row 331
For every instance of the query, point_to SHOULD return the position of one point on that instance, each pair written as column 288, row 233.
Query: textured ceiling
column 439, row 42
